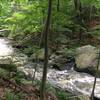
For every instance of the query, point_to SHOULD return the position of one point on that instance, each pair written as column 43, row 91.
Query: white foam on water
column 5, row 48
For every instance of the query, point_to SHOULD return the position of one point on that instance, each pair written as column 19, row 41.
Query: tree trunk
column 78, row 9
column 46, row 31
column 92, row 94
column 75, row 4
column 58, row 5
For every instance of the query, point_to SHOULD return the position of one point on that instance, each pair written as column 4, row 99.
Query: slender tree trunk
column 42, row 91
column 92, row 94
column 43, row 12
column 78, row 8
column 58, row 5
column 76, row 4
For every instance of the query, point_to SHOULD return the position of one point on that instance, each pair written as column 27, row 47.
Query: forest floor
column 27, row 92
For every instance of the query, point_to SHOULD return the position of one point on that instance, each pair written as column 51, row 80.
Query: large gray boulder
column 87, row 57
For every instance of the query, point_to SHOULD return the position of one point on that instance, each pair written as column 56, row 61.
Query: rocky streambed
column 76, row 82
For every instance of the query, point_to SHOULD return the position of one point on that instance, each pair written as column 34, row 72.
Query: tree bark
column 97, row 68
column 46, row 31
column 58, row 5
column 78, row 9
column 75, row 4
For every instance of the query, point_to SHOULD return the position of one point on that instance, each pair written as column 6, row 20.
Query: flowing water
column 75, row 82
column 5, row 48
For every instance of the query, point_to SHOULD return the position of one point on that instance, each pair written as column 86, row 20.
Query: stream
column 77, row 83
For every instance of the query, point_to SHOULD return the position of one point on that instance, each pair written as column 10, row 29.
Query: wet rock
column 28, row 72
column 61, row 62
column 20, row 59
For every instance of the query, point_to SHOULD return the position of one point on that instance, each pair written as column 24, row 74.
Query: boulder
column 87, row 58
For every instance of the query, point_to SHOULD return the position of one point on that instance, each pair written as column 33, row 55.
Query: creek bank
column 73, row 81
